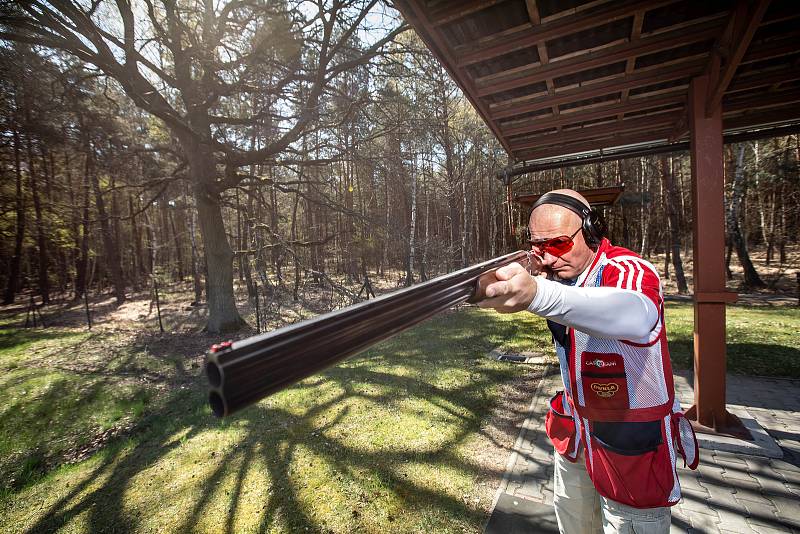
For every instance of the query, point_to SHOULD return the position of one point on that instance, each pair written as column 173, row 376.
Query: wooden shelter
column 601, row 196
column 560, row 82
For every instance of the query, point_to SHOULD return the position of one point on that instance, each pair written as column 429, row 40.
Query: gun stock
column 241, row 373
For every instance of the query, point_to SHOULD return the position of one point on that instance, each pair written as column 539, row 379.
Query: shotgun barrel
column 241, row 373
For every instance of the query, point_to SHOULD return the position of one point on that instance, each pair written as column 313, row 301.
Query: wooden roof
column 602, row 196
column 557, row 77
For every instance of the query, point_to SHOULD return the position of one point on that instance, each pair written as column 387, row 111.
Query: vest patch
column 605, row 390
column 600, row 363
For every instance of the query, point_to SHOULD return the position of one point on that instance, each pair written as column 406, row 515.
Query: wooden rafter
column 615, row 108
column 603, row 196
column 460, row 9
column 636, row 33
column 773, row 116
column 743, row 27
column 564, row 26
column 635, row 80
column 762, row 100
column 588, row 132
column 594, row 144
column 722, row 47
column 764, row 79
column 541, row 50
column 622, row 67
column 626, row 51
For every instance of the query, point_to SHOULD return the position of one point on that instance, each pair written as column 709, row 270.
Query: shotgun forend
column 243, row 372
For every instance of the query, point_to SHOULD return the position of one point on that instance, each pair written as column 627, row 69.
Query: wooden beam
column 588, row 132
column 637, row 79
column 780, row 12
column 598, row 113
column 764, row 79
column 743, row 32
column 600, row 156
column 614, row 11
column 541, row 49
column 594, row 144
column 666, row 41
column 572, row 11
column 782, row 115
column 601, row 196
column 681, row 127
column 783, row 47
column 458, row 10
column 708, row 225
column 761, row 100
column 630, row 65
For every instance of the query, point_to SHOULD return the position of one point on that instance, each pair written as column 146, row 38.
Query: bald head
column 552, row 214
column 549, row 221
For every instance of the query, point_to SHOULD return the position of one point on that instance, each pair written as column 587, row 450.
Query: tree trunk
column 423, row 264
column 751, row 278
column 197, row 283
column 276, row 252
column 19, row 236
column 464, row 222
column 673, row 224
column 82, row 264
column 136, row 248
column 222, row 313
column 41, row 239
column 177, row 240
column 642, row 210
column 413, row 230
column 296, row 260
column 115, row 230
column 109, row 245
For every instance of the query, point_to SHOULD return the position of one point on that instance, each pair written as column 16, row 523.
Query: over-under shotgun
column 243, row 372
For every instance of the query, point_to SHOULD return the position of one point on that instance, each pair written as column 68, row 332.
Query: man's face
column 550, row 221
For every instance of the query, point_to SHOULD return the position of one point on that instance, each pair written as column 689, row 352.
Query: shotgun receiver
column 243, row 372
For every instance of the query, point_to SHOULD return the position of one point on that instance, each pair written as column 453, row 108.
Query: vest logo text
column 600, row 363
column 605, row 390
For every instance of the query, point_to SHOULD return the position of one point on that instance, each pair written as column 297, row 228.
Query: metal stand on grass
column 31, row 315
column 258, row 309
column 86, row 307
column 158, row 304
column 366, row 287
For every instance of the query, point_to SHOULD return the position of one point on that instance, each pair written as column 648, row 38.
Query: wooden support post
column 709, row 412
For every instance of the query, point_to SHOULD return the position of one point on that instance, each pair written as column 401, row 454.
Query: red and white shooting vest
column 619, row 402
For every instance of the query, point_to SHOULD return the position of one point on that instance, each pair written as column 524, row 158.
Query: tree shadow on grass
column 320, row 426
column 12, row 336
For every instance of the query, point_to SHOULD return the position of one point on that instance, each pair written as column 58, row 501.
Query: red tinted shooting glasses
column 555, row 246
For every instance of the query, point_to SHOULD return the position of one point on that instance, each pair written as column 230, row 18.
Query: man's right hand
column 508, row 289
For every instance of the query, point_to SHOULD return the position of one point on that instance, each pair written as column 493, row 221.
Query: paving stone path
column 728, row 493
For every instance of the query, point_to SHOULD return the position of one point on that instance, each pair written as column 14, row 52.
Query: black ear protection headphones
column 593, row 226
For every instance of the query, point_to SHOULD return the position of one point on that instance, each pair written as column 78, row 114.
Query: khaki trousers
column 581, row 510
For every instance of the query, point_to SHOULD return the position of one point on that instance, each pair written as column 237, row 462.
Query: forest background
column 286, row 147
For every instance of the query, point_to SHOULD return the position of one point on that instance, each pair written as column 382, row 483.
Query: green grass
column 382, row 443
column 56, row 399
column 761, row 340
column 385, row 442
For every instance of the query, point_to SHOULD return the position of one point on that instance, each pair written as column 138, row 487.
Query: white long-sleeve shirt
column 602, row 312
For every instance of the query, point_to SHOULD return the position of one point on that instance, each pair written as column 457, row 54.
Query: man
column 617, row 426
